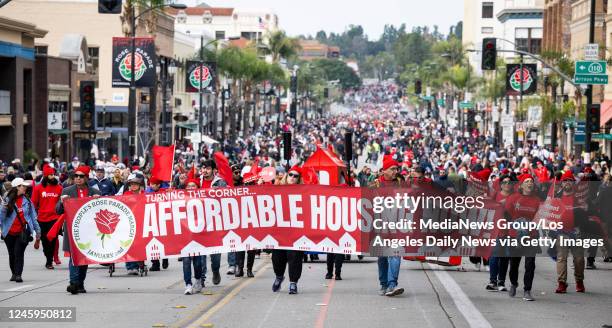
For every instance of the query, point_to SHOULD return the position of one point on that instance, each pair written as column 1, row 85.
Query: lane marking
column 269, row 311
column 223, row 302
column 17, row 288
column 320, row 323
column 469, row 311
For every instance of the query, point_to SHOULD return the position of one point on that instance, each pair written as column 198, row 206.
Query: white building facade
column 517, row 24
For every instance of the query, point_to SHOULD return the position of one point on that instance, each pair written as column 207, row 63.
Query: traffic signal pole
column 589, row 95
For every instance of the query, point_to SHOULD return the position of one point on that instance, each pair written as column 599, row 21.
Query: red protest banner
column 209, row 221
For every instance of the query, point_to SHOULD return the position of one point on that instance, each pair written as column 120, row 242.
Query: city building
column 517, row 25
column 557, row 35
column 65, row 17
column 225, row 23
column 18, row 120
column 313, row 49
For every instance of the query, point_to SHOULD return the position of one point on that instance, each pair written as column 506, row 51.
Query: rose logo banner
column 383, row 221
column 209, row 221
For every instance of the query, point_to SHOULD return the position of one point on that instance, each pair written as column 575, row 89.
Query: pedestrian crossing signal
column 109, row 6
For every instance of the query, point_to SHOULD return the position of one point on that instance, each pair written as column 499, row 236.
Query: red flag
column 224, row 169
column 163, row 158
column 255, row 169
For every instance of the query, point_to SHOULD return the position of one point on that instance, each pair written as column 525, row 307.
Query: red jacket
column 44, row 200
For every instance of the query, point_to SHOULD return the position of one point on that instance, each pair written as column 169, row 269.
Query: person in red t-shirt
column 522, row 206
column 135, row 185
column 568, row 199
column 498, row 265
column 45, row 197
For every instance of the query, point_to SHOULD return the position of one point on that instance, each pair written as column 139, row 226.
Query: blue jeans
column 197, row 268
column 131, row 265
column 388, row 271
column 215, row 263
column 231, row 259
column 77, row 273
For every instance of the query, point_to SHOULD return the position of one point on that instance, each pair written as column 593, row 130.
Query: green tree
column 281, row 46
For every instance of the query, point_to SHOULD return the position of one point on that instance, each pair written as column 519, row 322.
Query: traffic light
column 88, row 105
column 489, row 53
column 593, row 118
column 109, row 6
column 417, row 87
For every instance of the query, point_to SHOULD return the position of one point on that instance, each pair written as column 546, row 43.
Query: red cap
column 115, row 158
column 48, row 170
column 83, row 169
column 193, row 180
column 389, row 162
column 568, row 176
column 524, row 177
column 588, row 170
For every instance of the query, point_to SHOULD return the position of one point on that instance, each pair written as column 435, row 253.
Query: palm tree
column 281, row 46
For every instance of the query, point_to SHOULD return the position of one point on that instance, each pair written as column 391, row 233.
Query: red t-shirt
column 501, row 198
column 206, row 183
column 20, row 221
column 568, row 214
column 521, row 206
column 44, row 200
column 81, row 193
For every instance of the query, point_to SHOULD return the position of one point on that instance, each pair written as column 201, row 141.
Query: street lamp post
column 132, row 97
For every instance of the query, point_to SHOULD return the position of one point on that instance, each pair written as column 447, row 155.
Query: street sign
column 602, row 136
column 466, row 105
column 591, row 79
column 591, row 72
column 591, row 51
column 580, row 135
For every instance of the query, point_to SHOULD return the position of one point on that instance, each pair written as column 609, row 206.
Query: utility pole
column 589, row 94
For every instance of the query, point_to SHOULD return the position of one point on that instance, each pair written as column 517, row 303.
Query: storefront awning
column 187, row 126
column 606, row 112
column 60, row 131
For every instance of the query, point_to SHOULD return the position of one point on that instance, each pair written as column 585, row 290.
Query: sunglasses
column 82, row 176
column 293, row 175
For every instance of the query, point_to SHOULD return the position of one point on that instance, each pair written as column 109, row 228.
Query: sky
column 309, row 16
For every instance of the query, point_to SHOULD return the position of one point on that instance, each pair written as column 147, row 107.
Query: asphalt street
column 435, row 297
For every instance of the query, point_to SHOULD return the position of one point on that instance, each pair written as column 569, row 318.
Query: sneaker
column 18, row 279
column 203, row 282
column 239, row 272
column 165, row 264
column 580, row 287
column 293, row 288
column 501, row 287
column 329, row 276
column 154, row 268
column 527, row 296
column 49, row 267
column 512, row 290
column 492, row 287
column 562, row 288
column 216, row 277
column 188, row 290
column 338, row 277
column 383, row 291
column 250, row 273
column 197, row 287
column 276, row 286
column 231, row 270
column 81, row 288
column 394, row 291
column 13, row 278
